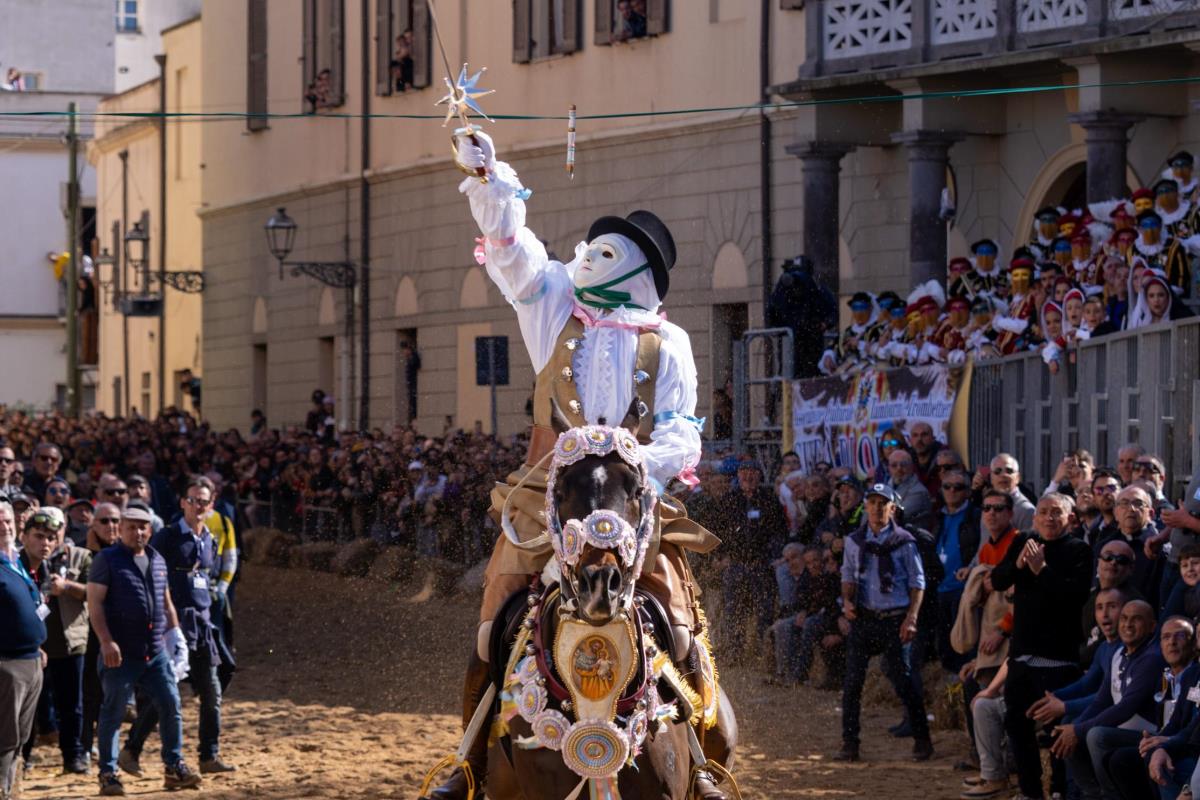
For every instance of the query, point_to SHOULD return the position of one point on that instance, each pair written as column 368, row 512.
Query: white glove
column 177, row 651
column 477, row 151
column 222, row 589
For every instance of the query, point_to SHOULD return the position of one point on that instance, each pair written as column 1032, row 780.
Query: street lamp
column 137, row 241
column 281, row 237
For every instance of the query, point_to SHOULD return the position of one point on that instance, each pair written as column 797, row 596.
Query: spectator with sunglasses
column 112, row 489
column 58, row 493
column 61, row 570
column 1135, row 526
column 1105, row 487
column 190, row 552
column 102, row 532
column 21, row 657
column 46, row 459
column 8, row 465
column 957, row 532
column 891, row 441
column 1005, row 476
column 1114, row 570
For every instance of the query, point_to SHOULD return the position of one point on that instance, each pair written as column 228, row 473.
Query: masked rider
column 599, row 346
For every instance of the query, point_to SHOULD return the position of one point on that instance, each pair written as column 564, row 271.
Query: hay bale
column 355, row 558
column 317, row 556
column 392, row 564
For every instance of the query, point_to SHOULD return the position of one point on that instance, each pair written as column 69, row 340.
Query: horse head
column 599, row 510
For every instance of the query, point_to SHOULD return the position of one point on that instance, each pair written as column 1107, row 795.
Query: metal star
column 462, row 95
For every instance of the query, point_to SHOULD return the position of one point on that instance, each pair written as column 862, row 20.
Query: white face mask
column 601, row 264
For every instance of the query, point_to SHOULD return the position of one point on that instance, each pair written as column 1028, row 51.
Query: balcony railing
column 854, row 36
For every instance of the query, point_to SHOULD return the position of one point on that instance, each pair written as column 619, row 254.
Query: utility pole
column 162, row 233
column 73, row 391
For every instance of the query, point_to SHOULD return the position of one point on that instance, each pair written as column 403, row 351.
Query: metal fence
column 1138, row 386
column 309, row 522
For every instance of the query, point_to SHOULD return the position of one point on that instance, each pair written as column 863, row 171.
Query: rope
column 219, row 116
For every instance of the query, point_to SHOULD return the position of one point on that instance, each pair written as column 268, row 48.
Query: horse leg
column 720, row 741
column 477, row 680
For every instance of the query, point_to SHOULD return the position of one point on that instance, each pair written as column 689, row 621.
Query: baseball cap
column 850, row 480
column 412, row 465
column 884, row 491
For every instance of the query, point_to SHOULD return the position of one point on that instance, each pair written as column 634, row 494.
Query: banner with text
column 842, row 419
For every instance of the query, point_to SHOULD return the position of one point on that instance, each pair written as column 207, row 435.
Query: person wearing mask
column 1050, row 574
column 883, row 585
column 140, row 645
column 21, row 656
column 1105, row 487
column 190, row 553
column 1005, row 475
column 911, row 495
column 957, row 534
column 1125, row 767
column 61, row 568
column 1124, row 706
column 102, row 532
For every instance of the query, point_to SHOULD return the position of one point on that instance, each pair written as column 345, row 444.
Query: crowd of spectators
column 1065, row 612
column 1085, row 272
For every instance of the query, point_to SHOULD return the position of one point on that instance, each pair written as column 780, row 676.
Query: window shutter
column 256, row 65
column 383, row 47
column 308, row 53
column 422, row 29
column 572, row 11
column 522, row 49
column 337, row 50
column 656, row 17
column 604, row 22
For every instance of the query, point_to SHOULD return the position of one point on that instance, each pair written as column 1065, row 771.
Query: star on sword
column 462, row 96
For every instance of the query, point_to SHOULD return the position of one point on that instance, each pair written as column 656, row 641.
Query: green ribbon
column 603, row 296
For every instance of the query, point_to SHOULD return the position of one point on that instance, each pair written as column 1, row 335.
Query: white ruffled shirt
column 603, row 366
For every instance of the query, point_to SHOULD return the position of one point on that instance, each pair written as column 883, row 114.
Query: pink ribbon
column 481, row 254
column 591, row 320
column 688, row 476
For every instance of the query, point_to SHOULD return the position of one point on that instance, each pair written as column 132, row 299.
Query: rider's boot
column 476, row 683
column 706, row 787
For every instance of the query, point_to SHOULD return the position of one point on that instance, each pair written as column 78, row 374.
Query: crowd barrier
column 1138, row 386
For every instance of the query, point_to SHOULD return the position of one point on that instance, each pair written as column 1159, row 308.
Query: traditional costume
column 1178, row 217
column 1164, row 253
column 599, row 347
column 1045, row 229
column 1179, row 169
column 852, row 346
column 1014, row 324
column 986, row 276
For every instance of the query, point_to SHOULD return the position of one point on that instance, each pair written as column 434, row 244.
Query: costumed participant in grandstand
column 1155, row 302
column 1083, row 260
column 1054, row 343
column 1179, row 169
column 982, row 332
column 599, row 347
column 1068, row 223
column 1061, row 254
column 957, row 271
column 1163, row 252
column 1177, row 214
column 851, row 347
column 890, row 346
column 952, row 332
column 1045, row 231
column 924, row 316
column 986, row 275
column 1014, row 324
column 1143, row 200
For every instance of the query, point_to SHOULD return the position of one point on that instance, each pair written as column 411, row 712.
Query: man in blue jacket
column 21, row 659
column 1125, row 772
column 140, row 645
column 1122, row 709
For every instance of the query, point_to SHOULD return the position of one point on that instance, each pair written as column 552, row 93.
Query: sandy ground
column 348, row 690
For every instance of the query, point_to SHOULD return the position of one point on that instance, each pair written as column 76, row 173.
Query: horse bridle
column 603, row 528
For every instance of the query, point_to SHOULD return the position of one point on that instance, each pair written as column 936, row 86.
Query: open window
column 324, row 54
column 625, row 20
column 545, row 28
column 402, row 46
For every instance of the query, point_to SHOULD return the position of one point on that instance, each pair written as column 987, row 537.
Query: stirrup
column 709, row 768
column 451, row 761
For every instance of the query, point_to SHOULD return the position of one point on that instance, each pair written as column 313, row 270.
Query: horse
column 593, row 594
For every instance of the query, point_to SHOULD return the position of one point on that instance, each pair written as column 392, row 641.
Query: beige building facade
column 126, row 157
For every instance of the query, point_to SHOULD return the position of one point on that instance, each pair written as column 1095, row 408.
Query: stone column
column 1107, row 135
column 820, row 164
column 928, row 157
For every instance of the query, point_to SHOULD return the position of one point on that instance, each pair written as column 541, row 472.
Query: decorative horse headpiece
column 602, row 528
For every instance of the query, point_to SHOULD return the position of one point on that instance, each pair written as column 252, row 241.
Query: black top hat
column 1165, row 185
column 1182, row 159
column 1048, row 214
column 650, row 234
